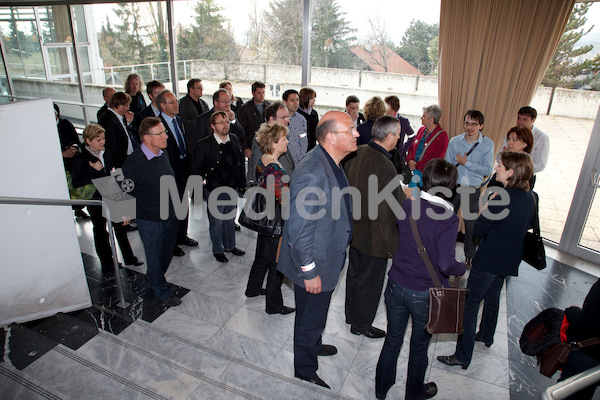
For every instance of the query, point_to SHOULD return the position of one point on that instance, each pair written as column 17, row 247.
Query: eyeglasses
column 350, row 131
column 285, row 117
column 222, row 123
column 158, row 134
column 471, row 124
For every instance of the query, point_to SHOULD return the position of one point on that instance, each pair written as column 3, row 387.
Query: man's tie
column 179, row 137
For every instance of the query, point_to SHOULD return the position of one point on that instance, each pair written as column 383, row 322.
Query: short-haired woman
column 96, row 162
column 272, row 139
column 499, row 254
column 374, row 108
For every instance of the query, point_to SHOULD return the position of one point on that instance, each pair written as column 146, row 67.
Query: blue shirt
column 479, row 163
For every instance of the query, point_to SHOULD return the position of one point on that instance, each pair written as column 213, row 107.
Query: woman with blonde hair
column 272, row 139
column 133, row 84
column 374, row 108
column 95, row 161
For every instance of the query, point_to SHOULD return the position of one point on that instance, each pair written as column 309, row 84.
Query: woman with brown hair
column 501, row 229
column 236, row 102
column 307, row 102
column 132, row 87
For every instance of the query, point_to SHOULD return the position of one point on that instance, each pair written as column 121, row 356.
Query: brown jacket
column 378, row 237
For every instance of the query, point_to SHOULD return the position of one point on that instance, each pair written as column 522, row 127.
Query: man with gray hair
column 373, row 240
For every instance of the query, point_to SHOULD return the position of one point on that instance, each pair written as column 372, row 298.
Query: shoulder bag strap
column 587, row 342
column 536, row 216
column 427, row 143
column 423, row 252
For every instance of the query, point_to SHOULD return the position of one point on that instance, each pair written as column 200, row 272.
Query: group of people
column 322, row 170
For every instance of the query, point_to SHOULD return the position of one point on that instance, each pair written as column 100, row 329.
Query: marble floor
column 219, row 344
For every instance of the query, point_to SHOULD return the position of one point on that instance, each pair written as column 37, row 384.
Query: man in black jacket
column 191, row 106
column 252, row 114
column 219, row 160
column 221, row 102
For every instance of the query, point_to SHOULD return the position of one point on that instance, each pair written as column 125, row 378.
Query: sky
column 396, row 15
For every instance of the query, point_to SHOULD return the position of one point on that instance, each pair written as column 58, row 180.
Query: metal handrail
column 61, row 202
column 572, row 385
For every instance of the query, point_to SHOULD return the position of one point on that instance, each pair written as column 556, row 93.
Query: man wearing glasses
column 276, row 112
column 315, row 238
column 145, row 167
column 473, row 155
column 218, row 158
column 221, row 103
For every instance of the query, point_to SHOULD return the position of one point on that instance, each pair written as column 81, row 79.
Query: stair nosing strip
column 17, row 378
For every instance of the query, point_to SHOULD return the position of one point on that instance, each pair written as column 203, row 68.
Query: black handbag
column 270, row 224
column 534, row 253
column 446, row 304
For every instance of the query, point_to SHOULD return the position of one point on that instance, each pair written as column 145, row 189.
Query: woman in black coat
column 96, row 162
column 502, row 230
column 307, row 97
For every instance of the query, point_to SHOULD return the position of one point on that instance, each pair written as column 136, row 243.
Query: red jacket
column 435, row 149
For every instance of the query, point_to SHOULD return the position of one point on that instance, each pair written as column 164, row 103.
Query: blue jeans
column 222, row 231
column 401, row 303
column 482, row 285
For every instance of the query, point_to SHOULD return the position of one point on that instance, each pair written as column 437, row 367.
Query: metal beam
column 172, row 48
column 306, row 33
column 78, row 64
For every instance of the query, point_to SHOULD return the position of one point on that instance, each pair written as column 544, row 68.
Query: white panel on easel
column 41, row 269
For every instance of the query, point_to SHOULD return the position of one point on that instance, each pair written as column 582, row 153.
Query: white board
column 41, row 269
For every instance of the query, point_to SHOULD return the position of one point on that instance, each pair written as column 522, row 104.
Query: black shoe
column 478, row 339
column 372, row 332
column 135, row 262
column 237, row 227
column 171, row 301
column 236, row 252
column 430, row 391
column 284, row 311
column 188, row 241
column 221, row 258
column 380, row 396
column 452, row 360
column 316, row 380
column 81, row 214
column 262, row 292
column 177, row 252
column 327, row 350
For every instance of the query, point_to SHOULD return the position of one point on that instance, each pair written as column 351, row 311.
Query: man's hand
column 230, row 115
column 129, row 117
column 462, row 160
column 353, row 115
column 248, row 153
column 313, row 286
column 69, row 152
column 412, row 165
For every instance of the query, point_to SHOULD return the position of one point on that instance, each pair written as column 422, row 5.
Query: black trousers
column 364, row 283
column 470, row 245
column 264, row 262
column 102, row 243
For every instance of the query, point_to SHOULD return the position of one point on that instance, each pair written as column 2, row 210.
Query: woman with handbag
column 94, row 162
column 272, row 139
column 502, row 230
column 407, row 291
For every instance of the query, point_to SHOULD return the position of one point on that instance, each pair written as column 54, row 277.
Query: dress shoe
column 262, row 292
column 372, row 332
column 430, row 391
column 478, row 339
column 81, row 214
column 284, row 310
column 177, row 252
column 171, row 301
column 221, row 258
column 316, row 380
column 237, row 227
column 135, row 262
column 188, row 241
column 452, row 360
column 236, row 252
column 327, row 350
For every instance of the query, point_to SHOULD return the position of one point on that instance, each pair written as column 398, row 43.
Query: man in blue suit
column 315, row 238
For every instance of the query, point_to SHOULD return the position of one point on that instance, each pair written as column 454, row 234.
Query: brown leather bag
column 446, row 305
column 554, row 358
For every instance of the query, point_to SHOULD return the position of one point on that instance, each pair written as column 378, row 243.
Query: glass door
column 581, row 236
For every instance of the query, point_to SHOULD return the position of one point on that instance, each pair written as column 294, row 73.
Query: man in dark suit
column 352, row 106
column 313, row 249
column 222, row 103
column 218, row 158
column 117, row 138
column 374, row 240
column 191, row 106
column 178, row 157
column 153, row 88
column 252, row 114
column 106, row 94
